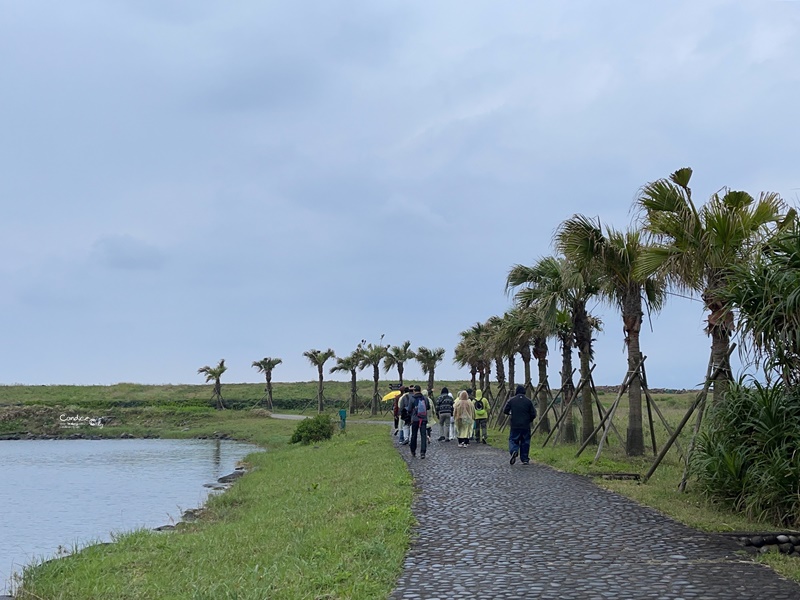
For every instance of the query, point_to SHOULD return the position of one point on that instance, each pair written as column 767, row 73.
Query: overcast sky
column 187, row 181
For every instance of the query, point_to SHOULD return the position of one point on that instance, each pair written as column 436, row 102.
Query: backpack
column 478, row 404
column 405, row 405
column 422, row 409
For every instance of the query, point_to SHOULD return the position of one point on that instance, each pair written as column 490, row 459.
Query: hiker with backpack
column 419, row 422
column 444, row 412
column 405, row 415
column 481, row 406
column 431, row 416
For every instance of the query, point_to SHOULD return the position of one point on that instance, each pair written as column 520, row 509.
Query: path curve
column 490, row 531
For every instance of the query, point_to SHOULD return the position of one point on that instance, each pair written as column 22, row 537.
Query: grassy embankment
column 307, row 522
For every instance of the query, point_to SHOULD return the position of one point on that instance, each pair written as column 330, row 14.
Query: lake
column 64, row 493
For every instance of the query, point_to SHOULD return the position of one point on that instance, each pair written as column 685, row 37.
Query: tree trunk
column 587, row 406
column 632, row 322
column 218, row 394
column 400, row 369
column 512, row 372
column 353, row 391
column 583, row 339
column 500, row 369
column 720, row 326
column 430, row 384
column 525, row 352
column 320, row 404
column 540, row 354
column 568, row 433
column 375, row 376
column 720, row 342
column 473, row 371
column 269, row 390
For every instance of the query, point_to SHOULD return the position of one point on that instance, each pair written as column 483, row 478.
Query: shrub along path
column 489, row 530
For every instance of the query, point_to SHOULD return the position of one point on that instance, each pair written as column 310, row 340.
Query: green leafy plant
column 748, row 456
column 315, row 429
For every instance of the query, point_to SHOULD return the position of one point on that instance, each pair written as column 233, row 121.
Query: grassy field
column 298, row 491
column 239, row 395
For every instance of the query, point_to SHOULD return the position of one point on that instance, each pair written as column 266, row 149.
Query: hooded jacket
column 522, row 411
column 482, row 413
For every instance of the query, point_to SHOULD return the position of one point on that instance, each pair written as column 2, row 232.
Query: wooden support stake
column 700, row 411
column 575, row 394
column 661, row 417
column 652, row 426
column 602, row 412
column 563, row 412
column 610, row 414
column 626, row 382
column 700, row 398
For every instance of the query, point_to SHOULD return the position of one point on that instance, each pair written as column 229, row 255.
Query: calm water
column 72, row 492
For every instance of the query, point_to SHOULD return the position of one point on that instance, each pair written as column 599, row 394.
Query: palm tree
column 397, row 356
column 505, row 340
column 429, row 360
column 215, row 374
column 265, row 365
column 479, row 336
column 318, row 358
column 350, row 364
column 472, row 351
column 527, row 333
column 371, row 356
column 766, row 294
column 697, row 249
column 556, row 284
column 615, row 255
column 495, row 326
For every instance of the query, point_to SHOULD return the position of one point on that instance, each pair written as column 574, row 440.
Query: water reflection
column 67, row 493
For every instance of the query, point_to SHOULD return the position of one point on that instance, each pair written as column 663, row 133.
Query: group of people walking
column 463, row 418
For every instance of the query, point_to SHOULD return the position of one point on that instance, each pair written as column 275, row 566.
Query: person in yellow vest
column 481, row 406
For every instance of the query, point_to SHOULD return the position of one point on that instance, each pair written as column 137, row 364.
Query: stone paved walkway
column 489, row 530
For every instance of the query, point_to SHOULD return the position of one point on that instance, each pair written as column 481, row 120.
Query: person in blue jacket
column 522, row 413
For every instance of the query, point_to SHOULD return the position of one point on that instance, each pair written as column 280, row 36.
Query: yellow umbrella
column 391, row 395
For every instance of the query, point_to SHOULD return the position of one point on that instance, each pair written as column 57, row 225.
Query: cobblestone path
column 488, row 531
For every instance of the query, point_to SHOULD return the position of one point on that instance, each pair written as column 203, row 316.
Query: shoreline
column 222, row 485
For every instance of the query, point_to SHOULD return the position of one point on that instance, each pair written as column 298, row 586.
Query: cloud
column 169, row 163
column 127, row 253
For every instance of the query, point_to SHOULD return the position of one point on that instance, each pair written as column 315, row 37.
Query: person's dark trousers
column 520, row 440
column 480, row 429
column 416, row 426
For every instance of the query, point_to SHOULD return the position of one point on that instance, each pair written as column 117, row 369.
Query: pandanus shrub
column 748, row 455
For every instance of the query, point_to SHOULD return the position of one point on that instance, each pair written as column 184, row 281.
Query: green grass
column 293, row 396
column 325, row 521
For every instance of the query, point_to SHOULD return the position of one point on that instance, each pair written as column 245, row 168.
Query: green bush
column 747, row 456
column 315, row 429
